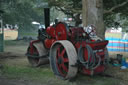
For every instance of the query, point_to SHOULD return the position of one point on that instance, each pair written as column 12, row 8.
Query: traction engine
column 69, row 50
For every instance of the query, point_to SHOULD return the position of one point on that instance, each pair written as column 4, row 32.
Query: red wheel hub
column 62, row 61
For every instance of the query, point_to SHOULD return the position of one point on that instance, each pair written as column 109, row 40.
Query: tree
column 22, row 13
column 69, row 7
column 110, row 9
column 93, row 14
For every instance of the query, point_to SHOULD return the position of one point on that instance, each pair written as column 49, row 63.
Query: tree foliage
column 112, row 8
column 69, row 7
column 116, row 12
column 21, row 12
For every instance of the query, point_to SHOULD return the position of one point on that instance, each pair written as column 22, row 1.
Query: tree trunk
column 92, row 13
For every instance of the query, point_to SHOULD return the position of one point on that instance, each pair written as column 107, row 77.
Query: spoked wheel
column 63, row 59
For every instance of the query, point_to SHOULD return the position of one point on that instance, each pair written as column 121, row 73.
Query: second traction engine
column 69, row 50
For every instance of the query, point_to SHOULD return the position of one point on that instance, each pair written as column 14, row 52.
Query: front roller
column 37, row 54
column 63, row 59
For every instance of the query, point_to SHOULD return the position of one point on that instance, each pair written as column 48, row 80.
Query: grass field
column 16, row 66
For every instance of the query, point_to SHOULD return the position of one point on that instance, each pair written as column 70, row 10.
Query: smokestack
column 47, row 17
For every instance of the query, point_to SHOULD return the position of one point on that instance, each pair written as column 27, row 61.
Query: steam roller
column 69, row 50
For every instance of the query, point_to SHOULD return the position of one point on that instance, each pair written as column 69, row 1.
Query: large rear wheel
column 63, row 59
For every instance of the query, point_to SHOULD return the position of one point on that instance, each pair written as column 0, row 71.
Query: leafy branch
column 115, row 7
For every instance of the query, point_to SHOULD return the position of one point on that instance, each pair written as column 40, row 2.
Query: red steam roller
column 69, row 50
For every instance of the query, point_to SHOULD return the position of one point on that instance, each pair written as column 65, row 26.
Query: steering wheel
column 91, row 30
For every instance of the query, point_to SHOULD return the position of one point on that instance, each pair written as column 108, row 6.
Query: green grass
column 29, row 34
column 46, row 76
column 43, row 75
column 20, row 71
column 15, row 43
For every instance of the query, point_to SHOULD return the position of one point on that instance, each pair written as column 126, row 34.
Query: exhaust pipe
column 47, row 17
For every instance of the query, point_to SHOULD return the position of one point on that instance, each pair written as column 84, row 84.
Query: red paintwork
column 98, row 45
column 62, row 61
column 32, row 50
column 95, row 46
column 51, row 31
column 61, row 32
column 48, row 42
column 75, row 32
column 97, row 70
